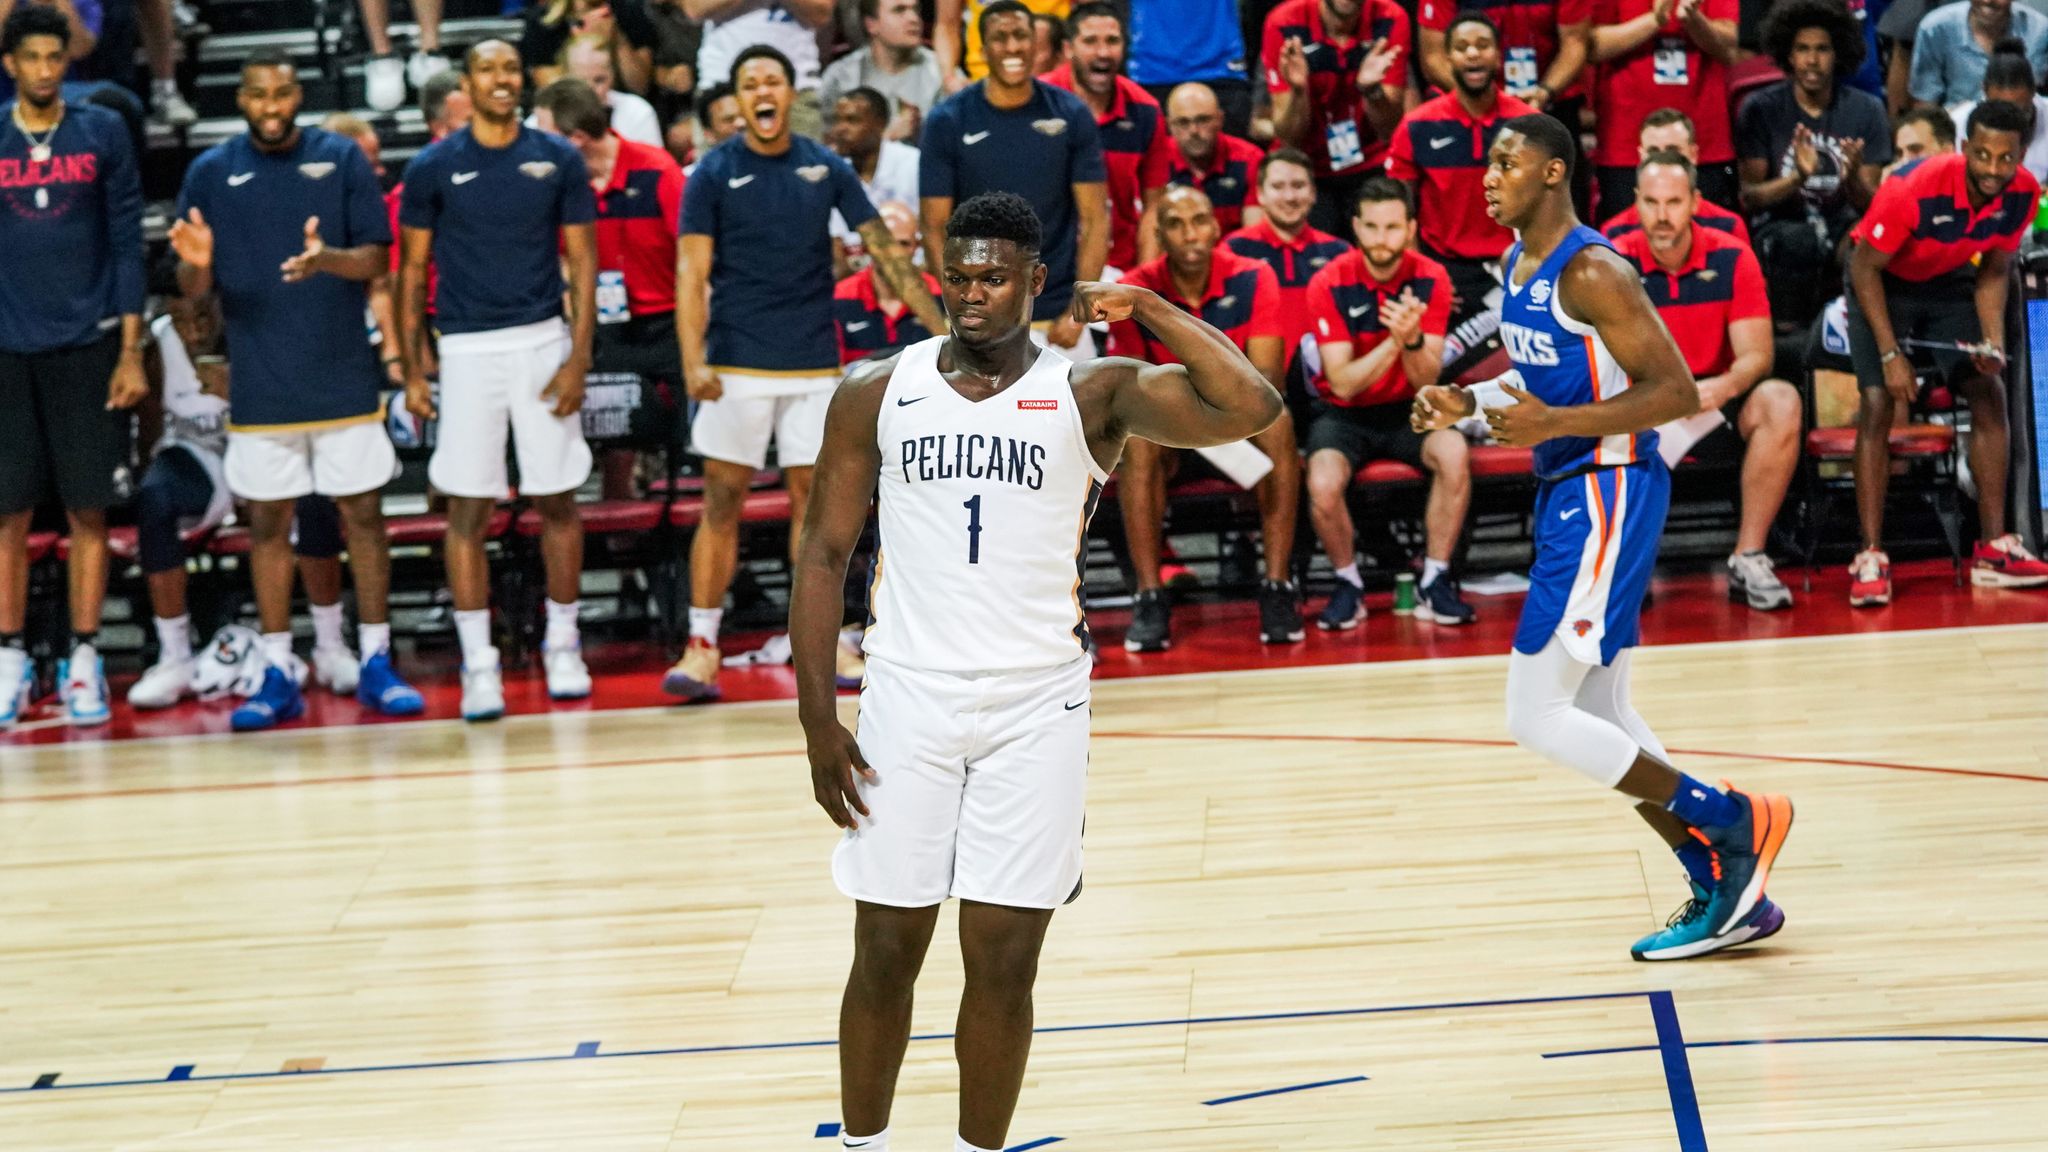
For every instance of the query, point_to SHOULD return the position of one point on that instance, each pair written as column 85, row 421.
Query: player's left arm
column 1994, row 280
column 1213, row 396
column 579, row 256
column 123, row 187
column 1601, row 289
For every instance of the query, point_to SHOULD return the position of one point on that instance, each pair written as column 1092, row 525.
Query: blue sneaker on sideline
column 379, row 687
column 277, row 701
column 1346, row 609
column 1685, row 936
column 1440, row 603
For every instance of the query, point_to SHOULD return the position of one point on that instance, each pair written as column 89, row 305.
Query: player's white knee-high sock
column 1544, row 717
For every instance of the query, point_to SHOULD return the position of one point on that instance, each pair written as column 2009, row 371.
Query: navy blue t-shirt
column 70, row 232
column 1038, row 151
column 497, row 216
column 301, row 352
column 769, row 219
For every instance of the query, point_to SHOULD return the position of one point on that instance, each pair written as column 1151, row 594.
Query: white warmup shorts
column 979, row 790
column 789, row 410
column 491, row 385
column 285, row 464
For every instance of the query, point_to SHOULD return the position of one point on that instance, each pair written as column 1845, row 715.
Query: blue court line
column 1283, row 1091
column 1808, row 1040
column 1685, row 1103
column 827, row 1130
column 586, row 1050
column 1035, row 1144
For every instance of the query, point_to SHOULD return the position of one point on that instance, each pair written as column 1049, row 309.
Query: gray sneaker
column 1753, row 579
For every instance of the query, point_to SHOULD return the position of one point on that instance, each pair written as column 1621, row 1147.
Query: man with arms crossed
column 968, row 776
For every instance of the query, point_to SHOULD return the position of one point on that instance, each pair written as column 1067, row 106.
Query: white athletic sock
column 1349, row 572
column 562, row 631
column 1431, row 569
column 704, row 624
column 473, row 629
column 960, row 1144
column 327, row 626
column 165, row 85
column 277, row 648
column 174, row 638
column 372, row 639
column 879, row 1142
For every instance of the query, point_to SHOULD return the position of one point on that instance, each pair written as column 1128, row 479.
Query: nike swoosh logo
column 1942, row 219
column 1071, row 707
column 1569, row 513
column 739, row 181
column 974, row 137
column 856, row 326
column 462, row 177
column 1358, row 311
column 902, row 403
column 1441, row 141
column 240, row 178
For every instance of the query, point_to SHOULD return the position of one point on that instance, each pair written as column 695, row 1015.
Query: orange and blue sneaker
column 2006, row 563
column 1744, row 851
column 1685, row 934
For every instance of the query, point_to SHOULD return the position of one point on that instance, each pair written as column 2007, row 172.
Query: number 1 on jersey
column 973, row 529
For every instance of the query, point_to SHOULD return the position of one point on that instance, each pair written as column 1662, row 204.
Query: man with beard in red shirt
column 1135, row 144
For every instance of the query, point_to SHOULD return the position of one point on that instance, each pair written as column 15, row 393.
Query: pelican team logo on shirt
column 538, row 169
column 318, row 170
column 1050, row 127
column 813, row 173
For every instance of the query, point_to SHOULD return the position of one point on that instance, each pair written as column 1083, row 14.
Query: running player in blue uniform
column 1598, row 371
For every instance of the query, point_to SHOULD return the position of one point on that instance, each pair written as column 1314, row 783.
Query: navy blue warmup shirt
column 769, row 219
column 70, row 232
column 301, row 352
column 497, row 216
column 1038, row 151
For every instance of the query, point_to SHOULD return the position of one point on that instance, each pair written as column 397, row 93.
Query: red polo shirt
column 1719, row 283
column 1294, row 264
column 1923, row 219
column 866, row 330
column 1443, row 147
column 1242, row 301
column 1333, row 71
column 1138, row 152
column 1228, row 181
column 1344, row 304
column 637, row 217
column 1707, row 215
column 1667, row 71
column 1528, row 33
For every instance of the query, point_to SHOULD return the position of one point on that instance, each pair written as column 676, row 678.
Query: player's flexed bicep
column 1601, row 290
column 1214, row 396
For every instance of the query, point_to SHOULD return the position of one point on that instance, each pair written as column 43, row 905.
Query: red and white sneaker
column 1870, row 579
column 2006, row 563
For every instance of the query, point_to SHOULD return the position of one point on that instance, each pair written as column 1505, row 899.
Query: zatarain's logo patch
column 813, row 173
column 1038, row 405
column 318, row 170
column 538, row 169
column 1050, row 127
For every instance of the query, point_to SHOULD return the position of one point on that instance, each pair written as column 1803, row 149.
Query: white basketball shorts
column 980, row 784
column 491, row 385
column 287, row 463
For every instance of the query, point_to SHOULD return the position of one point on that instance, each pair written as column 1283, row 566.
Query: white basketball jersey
column 984, row 513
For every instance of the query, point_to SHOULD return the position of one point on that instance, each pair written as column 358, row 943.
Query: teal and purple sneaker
column 1685, row 934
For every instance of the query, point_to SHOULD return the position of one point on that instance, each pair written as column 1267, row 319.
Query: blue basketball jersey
column 1564, row 363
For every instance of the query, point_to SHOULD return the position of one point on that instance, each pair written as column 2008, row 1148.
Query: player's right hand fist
column 1097, row 301
column 702, row 383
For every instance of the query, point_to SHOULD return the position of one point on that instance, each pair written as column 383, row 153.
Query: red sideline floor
column 1688, row 609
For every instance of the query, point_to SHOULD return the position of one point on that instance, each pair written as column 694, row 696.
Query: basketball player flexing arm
column 1600, row 372
column 968, row 775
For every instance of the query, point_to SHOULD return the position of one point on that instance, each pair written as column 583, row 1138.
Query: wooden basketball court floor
column 1326, row 908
